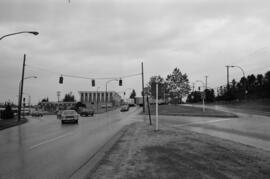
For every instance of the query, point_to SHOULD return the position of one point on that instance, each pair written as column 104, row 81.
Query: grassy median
column 179, row 153
column 181, row 110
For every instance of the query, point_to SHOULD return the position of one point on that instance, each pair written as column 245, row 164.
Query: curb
column 87, row 168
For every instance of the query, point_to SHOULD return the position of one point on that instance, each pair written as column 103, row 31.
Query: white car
column 69, row 116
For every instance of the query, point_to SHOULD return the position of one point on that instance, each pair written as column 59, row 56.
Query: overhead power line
column 83, row 77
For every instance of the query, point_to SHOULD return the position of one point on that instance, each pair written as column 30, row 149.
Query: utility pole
column 143, row 88
column 228, row 83
column 21, row 90
column 206, row 81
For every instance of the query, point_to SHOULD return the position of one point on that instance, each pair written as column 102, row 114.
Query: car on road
column 86, row 112
column 124, row 108
column 36, row 114
column 69, row 116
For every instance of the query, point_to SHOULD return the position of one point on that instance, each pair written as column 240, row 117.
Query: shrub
column 7, row 113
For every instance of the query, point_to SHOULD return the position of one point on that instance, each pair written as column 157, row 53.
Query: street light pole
column 21, row 83
column 243, row 76
column 29, row 32
column 240, row 69
column 202, row 94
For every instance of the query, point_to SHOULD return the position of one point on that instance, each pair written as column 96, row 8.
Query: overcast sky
column 110, row 38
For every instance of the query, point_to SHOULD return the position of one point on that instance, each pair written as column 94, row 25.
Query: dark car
column 124, row 108
column 37, row 114
column 86, row 112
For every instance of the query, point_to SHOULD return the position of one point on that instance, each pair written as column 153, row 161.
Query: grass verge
column 7, row 123
column 177, row 153
column 181, row 110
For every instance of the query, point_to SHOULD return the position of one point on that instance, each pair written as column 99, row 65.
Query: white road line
column 204, row 122
column 49, row 140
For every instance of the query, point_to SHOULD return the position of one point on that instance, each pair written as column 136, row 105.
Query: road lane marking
column 203, row 122
column 49, row 140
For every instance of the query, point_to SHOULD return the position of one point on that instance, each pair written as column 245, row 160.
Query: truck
column 129, row 102
column 139, row 101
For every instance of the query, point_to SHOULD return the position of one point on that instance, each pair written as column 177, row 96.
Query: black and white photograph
column 134, row 89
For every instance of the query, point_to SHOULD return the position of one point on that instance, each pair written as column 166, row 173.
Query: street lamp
column 243, row 76
column 240, row 69
column 202, row 94
column 21, row 93
column 29, row 32
column 22, row 78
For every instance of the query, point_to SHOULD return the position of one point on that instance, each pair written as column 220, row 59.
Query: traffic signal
column 199, row 88
column 61, row 79
column 93, row 83
column 120, row 82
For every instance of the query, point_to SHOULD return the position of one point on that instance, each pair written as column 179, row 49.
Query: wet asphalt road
column 44, row 148
column 249, row 128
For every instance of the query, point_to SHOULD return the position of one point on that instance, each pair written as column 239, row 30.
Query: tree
column 133, row 94
column 194, row 97
column 259, row 81
column 69, row 97
column 7, row 113
column 210, row 95
column 45, row 100
column 152, row 86
column 178, row 85
column 267, row 84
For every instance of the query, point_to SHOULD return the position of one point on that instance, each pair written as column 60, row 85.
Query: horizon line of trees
column 250, row 87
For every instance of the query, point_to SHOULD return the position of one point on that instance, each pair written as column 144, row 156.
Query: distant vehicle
column 69, row 116
column 130, row 102
column 36, row 114
column 139, row 101
column 109, row 105
column 124, row 108
column 86, row 112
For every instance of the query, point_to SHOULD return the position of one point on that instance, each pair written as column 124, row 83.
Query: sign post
column 203, row 97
